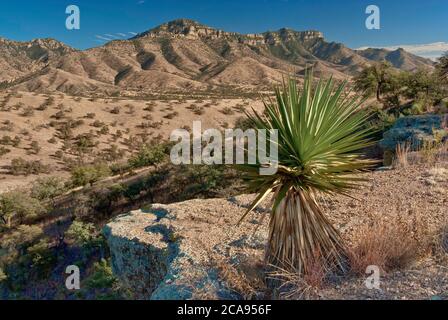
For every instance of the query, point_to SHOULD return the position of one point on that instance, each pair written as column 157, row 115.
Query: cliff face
column 189, row 29
column 169, row 252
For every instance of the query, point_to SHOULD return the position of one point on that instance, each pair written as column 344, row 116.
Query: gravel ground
column 209, row 238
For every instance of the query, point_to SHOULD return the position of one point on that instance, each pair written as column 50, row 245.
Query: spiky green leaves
column 321, row 130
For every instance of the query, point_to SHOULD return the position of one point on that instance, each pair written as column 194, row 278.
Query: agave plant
column 320, row 132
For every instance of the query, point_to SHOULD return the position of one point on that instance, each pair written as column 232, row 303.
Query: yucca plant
column 320, row 133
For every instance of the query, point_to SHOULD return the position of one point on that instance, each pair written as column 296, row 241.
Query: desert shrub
column 47, row 188
column 134, row 190
column 17, row 205
column 102, row 277
column 120, row 168
column 227, row 111
column 390, row 245
column 171, row 115
column 104, row 130
column 197, row 180
column 296, row 286
column 401, row 159
column 16, row 141
column 65, row 132
column 148, row 156
column 115, row 192
column 59, row 154
column 48, row 102
column 7, row 126
column 113, row 153
column 8, row 141
column 3, row 276
column 75, row 123
column 443, row 238
column 131, row 109
column 240, row 108
column 198, row 110
column 149, row 108
column 246, row 279
column 58, row 115
column 103, row 281
column 52, row 140
column 84, row 175
column 115, row 110
column 20, row 166
column 82, row 206
column 243, row 123
column 90, row 115
column 82, row 234
column 34, row 147
column 4, row 151
column 41, row 256
column 15, row 242
column 98, row 124
column 28, row 112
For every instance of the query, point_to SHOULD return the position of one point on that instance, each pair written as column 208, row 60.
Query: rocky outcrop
column 415, row 130
column 189, row 29
column 168, row 251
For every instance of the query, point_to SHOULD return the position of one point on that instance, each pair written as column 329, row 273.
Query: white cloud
column 103, row 38
column 431, row 50
column 108, row 35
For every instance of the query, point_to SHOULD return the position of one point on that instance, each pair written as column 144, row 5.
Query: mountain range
column 184, row 55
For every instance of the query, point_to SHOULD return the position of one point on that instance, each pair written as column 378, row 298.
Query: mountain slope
column 18, row 59
column 185, row 55
column 398, row 58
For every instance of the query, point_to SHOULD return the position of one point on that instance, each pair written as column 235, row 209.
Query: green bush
column 84, row 175
column 4, row 151
column 18, row 205
column 82, row 234
column 243, row 123
column 40, row 255
column 47, row 188
column 14, row 243
column 102, row 276
column 20, row 166
column 3, row 276
column 148, row 156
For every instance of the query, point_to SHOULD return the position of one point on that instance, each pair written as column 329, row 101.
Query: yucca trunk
column 299, row 231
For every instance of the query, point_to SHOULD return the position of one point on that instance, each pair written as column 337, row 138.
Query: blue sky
column 403, row 22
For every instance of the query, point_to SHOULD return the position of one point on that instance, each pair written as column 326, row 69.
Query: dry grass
column 440, row 244
column 390, row 244
column 247, row 279
column 401, row 156
column 297, row 286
